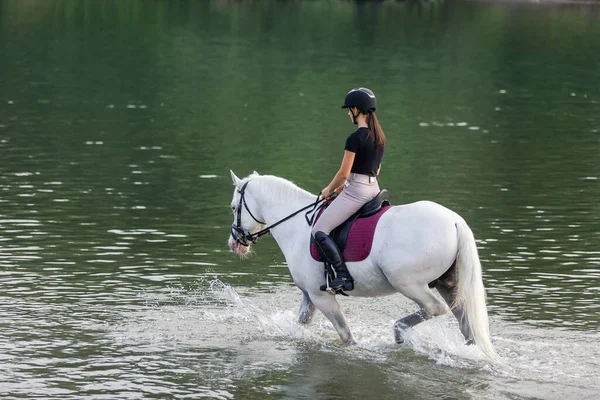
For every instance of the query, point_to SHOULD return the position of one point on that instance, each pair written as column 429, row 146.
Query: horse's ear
column 235, row 179
column 256, row 173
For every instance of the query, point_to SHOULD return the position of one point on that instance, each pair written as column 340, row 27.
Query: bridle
column 245, row 238
column 237, row 232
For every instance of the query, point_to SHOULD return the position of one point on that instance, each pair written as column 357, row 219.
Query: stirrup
column 345, row 284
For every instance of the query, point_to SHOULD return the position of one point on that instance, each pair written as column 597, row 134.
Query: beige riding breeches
column 358, row 190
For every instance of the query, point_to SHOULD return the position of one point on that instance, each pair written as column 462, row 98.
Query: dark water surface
column 119, row 122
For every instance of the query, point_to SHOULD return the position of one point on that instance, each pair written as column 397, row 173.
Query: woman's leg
column 345, row 205
column 337, row 212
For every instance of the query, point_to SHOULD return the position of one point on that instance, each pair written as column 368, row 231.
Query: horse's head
column 246, row 216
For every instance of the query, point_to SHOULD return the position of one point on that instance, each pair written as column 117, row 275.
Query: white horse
column 416, row 247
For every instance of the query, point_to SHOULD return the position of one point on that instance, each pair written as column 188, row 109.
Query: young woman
column 356, row 180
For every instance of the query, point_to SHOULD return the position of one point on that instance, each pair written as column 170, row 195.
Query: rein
column 245, row 238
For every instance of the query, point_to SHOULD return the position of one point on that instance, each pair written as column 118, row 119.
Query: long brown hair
column 375, row 131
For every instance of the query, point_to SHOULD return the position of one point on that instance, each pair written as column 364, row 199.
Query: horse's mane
column 278, row 190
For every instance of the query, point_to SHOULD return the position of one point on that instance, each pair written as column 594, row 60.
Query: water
column 119, row 122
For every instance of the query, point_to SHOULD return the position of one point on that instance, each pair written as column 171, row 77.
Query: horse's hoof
column 470, row 342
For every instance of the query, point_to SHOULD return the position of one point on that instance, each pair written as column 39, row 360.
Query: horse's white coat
column 414, row 244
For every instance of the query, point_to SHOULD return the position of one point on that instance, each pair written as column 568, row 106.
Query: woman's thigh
column 354, row 196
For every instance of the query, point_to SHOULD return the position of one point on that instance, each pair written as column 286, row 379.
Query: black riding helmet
column 361, row 98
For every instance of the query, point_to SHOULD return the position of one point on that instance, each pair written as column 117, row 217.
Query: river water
column 120, row 121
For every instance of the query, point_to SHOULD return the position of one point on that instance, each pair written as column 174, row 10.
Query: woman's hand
column 326, row 193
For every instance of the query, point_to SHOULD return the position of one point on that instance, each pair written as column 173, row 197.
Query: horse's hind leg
column 431, row 306
column 307, row 309
column 408, row 322
column 449, row 294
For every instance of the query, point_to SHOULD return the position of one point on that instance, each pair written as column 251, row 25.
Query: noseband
column 246, row 238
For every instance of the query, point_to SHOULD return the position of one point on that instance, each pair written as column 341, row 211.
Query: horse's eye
column 233, row 208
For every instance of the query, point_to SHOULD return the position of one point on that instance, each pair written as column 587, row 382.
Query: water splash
column 215, row 313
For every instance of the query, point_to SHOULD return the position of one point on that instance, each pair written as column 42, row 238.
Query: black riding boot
column 329, row 249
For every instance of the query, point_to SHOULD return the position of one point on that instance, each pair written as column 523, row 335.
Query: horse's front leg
column 329, row 306
column 307, row 309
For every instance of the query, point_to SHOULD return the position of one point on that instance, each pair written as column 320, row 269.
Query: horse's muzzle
column 236, row 247
column 238, row 242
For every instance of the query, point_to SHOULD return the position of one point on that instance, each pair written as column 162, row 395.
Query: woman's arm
column 343, row 173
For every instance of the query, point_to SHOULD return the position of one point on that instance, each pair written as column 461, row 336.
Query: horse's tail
column 470, row 291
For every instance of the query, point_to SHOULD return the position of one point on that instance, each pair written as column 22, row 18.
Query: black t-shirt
column 368, row 156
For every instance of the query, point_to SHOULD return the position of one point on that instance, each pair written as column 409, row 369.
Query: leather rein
column 245, row 238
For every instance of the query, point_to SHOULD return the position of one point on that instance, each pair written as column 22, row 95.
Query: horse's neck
column 279, row 199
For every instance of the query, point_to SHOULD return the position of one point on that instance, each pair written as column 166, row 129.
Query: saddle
column 355, row 236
